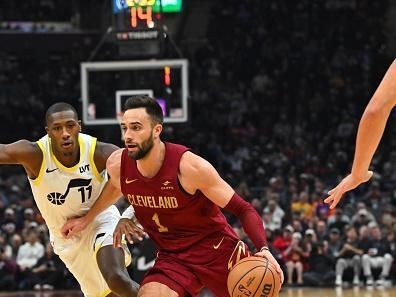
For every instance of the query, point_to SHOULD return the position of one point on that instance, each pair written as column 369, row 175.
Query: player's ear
column 79, row 123
column 157, row 130
column 47, row 129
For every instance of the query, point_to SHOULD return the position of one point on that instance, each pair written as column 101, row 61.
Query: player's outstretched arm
column 25, row 153
column 198, row 174
column 370, row 131
column 103, row 151
column 109, row 195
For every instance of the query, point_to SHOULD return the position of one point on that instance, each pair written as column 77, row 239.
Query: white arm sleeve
column 128, row 213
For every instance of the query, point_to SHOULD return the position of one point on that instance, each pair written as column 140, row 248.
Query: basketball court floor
column 338, row 292
column 287, row 292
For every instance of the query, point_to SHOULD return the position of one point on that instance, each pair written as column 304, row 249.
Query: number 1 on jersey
column 157, row 222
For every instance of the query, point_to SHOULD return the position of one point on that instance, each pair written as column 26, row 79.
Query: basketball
column 253, row 277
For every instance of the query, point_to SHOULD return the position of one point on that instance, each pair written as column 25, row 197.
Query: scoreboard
column 158, row 6
column 142, row 14
column 137, row 25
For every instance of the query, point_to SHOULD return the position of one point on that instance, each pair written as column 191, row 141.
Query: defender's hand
column 130, row 229
column 73, row 226
column 348, row 183
column 265, row 253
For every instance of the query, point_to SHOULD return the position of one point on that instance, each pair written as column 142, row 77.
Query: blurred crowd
column 37, row 10
column 277, row 91
column 292, row 88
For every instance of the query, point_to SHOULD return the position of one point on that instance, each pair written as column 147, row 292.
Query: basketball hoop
column 119, row 116
column 139, row 82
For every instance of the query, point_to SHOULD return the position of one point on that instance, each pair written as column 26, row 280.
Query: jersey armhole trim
column 178, row 179
column 106, row 293
column 122, row 166
column 92, row 159
column 38, row 179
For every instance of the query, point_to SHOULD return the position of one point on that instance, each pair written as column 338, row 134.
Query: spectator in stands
column 8, row 270
column 303, row 206
column 321, row 267
column 333, row 245
column 243, row 189
column 7, row 248
column 43, row 233
column 392, row 243
column 349, row 257
column 362, row 216
column 276, row 215
column 299, row 224
column 321, row 231
column 47, row 273
column 373, row 198
column 276, row 186
column 338, row 220
column 364, row 234
column 15, row 243
column 295, row 256
column 281, row 243
column 257, row 204
column 387, row 219
column 9, row 229
column 28, row 216
column 377, row 254
column 320, row 209
column 310, row 240
column 28, row 255
column 9, row 216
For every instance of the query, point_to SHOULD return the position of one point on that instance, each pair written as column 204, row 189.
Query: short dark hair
column 151, row 105
column 58, row 107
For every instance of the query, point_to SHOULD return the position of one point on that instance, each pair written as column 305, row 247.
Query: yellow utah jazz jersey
column 63, row 192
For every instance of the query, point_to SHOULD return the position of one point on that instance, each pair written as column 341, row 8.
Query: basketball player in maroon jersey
column 176, row 196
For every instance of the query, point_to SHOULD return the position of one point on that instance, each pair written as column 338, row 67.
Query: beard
column 143, row 149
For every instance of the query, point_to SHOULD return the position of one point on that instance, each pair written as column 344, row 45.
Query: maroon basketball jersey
column 174, row 219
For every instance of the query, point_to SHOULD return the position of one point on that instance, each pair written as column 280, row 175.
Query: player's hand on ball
column 130, row 228
column 73, row 226
column 348, row 183
column 265, row 253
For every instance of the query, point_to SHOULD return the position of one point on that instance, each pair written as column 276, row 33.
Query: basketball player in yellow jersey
column 66, row 171
column 371, row 128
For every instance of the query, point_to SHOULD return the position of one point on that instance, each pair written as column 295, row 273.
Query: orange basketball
column 253, row 277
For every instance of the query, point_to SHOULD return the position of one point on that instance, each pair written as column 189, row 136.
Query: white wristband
column 128, row 213
column 264, row 248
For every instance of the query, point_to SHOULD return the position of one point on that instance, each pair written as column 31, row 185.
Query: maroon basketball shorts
column 206, row 264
